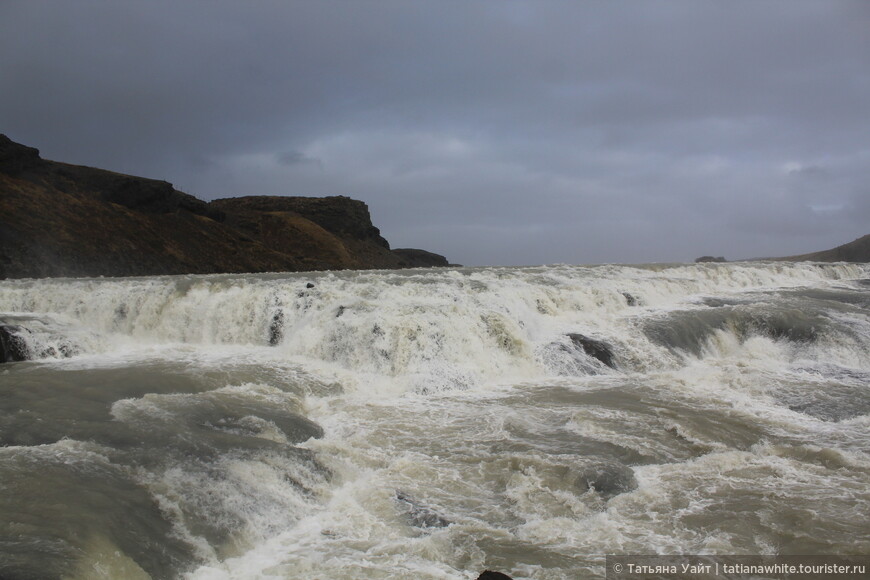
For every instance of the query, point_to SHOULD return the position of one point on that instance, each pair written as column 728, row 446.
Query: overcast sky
column 496, row 132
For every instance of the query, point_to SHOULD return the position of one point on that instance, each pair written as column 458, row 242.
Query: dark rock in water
column 607, row 479
column 490, row 575
column 309, row 285
column 121, row 313
column 13, row 348
column 276, row 328
column 710, row 259
column 594, row 348
column 340, row 311
column 420, row 516
column 629, row 299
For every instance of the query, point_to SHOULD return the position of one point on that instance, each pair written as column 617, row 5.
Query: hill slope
column 66, row 220
column 855, row 251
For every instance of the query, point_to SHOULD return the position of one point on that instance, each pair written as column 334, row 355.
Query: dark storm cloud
column 290, row 158
column 493, row 132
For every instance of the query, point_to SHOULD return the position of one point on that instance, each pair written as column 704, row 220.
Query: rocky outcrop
column 13, row 348
column 17, row 159
column 321, row 233
column 597, row 349
column 607, row 479
column 339, row 214
column 413, row 258
column 710, row 259
column 66, row 220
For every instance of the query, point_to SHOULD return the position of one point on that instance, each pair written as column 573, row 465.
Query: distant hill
column 856, row 251
column 67, row 220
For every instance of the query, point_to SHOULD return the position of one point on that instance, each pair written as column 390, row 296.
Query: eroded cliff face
column 65, row 220
column 336, row 229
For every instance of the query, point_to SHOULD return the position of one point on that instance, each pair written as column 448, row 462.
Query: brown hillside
column 855, row 251
column 65, row 220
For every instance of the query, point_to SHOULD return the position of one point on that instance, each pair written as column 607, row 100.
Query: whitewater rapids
column 433, row 423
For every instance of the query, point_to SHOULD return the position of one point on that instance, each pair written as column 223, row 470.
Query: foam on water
column 433, row 330
column 434, row 424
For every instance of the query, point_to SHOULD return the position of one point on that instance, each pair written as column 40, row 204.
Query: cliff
column 66, row 220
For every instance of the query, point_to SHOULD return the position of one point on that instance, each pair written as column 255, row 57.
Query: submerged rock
column 595, row 348
column 630, row 299
column 13, row 348
column 607, row 479
column 490, row 575
column 276, row 328
column 418, row 515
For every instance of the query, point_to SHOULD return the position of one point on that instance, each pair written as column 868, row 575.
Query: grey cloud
column 810, row 172
column 493, row 132
column 291, row 158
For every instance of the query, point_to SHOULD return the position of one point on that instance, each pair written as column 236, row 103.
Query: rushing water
column 432, row 424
